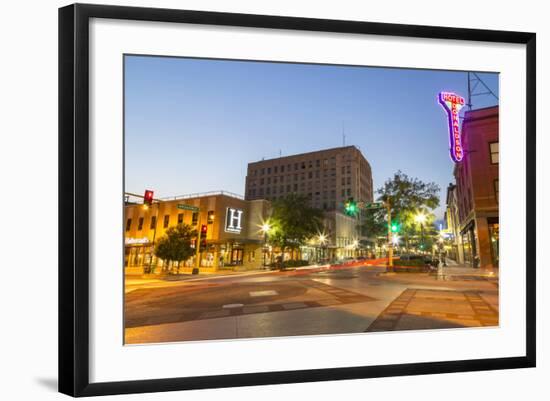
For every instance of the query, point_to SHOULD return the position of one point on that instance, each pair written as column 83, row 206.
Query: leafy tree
column 175, row 245
column 374, row 223
column 293, row 222
column 408, row 197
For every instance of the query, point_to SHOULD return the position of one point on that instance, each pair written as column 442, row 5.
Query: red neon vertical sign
column 452, row 103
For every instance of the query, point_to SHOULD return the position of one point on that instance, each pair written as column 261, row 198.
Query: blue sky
column 192, row 125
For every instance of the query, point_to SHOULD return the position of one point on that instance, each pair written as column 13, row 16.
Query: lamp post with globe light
column 265, row 230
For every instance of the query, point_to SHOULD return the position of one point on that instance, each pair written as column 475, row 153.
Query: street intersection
column 352, row 298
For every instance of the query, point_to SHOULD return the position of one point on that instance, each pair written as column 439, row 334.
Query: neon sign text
column 452, row 103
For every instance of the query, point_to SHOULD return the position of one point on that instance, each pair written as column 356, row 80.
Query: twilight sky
column 193, row 125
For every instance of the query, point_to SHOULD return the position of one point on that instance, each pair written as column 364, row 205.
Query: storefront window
column 494, row 238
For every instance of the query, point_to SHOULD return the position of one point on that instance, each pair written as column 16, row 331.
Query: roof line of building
column 305, row 153
column 496, row 106
column 203, row 194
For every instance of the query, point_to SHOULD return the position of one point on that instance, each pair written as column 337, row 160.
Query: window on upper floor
column 493, row 149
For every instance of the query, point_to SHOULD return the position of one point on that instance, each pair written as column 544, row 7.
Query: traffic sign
column 183, row 206
column 374, row 205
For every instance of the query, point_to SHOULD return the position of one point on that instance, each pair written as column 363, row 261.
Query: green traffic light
column 350, row 207
column 395, row 228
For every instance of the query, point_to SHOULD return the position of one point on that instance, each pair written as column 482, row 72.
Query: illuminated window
column 128, row 224
column 140, row 223
column 210, row 217
column 166, row 220
column 493, row 149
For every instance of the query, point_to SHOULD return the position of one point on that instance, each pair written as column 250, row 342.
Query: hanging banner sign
column 452, row 103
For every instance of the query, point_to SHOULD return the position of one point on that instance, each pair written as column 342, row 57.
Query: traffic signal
column 350, row 207
column 148, row 197
column 395, row 227
column 204, row 231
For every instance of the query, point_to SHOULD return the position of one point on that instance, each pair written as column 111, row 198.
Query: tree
column 408, row 197
column 175, row 245
column 293, row 222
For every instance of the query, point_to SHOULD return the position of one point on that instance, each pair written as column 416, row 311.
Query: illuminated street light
column 420, row 218
column 322, row 239
column 265, row 228
column 395, row 239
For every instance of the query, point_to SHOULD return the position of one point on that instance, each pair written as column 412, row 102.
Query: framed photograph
column 252, row 199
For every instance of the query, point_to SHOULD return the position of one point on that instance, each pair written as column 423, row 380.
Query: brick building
column 477, row 180
column 328, row 177
column 233, row 237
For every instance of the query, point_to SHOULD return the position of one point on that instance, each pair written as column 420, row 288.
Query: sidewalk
column 455, row 269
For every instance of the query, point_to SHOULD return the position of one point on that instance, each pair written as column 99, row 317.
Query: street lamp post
column 322, row 241
column 390, row 241
column 265, row 229
column 154, row 237
column 421, row 218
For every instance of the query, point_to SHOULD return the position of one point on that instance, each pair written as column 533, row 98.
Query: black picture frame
column 74, row 198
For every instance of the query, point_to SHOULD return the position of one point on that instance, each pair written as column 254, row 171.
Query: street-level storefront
column 480, row 242
column 493, row 225
column 232, row 238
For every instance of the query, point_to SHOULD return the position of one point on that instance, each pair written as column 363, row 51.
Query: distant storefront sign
column 134, row 241
column 233, row 220
column 452, row 103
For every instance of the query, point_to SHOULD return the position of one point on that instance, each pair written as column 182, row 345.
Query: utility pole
column 390, row 242
column 198, row 246
column 154, row 237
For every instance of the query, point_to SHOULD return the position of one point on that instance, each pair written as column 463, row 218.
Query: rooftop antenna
column 474, row 81
column 343, row 134
column 280, row 153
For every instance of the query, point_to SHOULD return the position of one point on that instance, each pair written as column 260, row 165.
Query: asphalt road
column 307, row 302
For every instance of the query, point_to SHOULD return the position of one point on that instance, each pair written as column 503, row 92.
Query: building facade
column 453, row 225
column 477, row 188
column 328, row 177
column 233, row 236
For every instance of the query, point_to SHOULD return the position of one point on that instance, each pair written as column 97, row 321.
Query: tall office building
column 328, row 177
